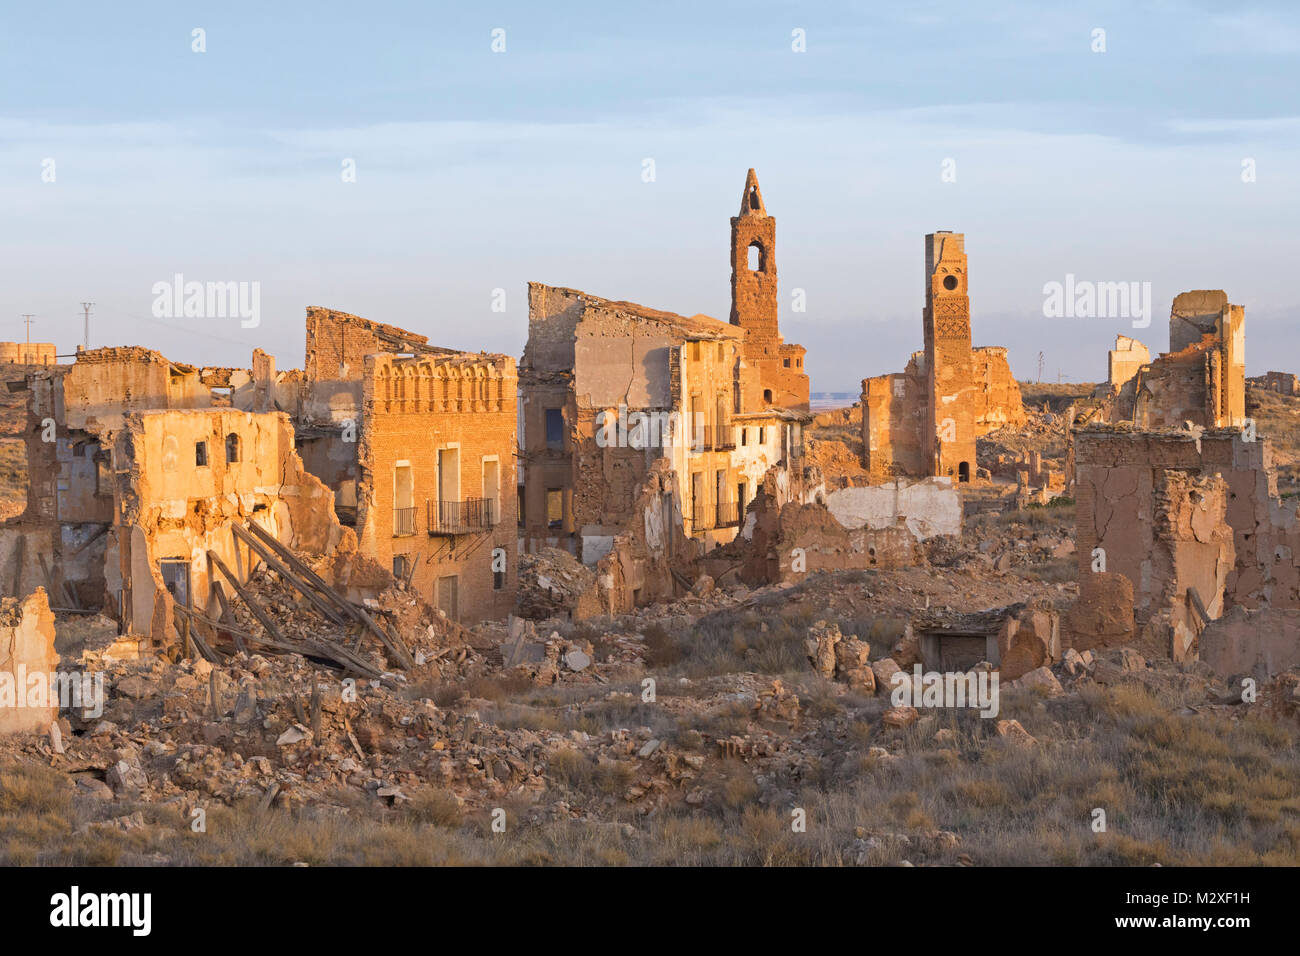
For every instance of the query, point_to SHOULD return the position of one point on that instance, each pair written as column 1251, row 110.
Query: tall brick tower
column 781, row 379
column 950, row 419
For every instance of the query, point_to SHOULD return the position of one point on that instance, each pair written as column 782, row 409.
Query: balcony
column 728, row 515
column 403, row 522
column 701, row 515
column 462, row 517
column 712, row 438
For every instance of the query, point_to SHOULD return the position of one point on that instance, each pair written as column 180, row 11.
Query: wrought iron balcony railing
column 403, row 522
column 462, row 517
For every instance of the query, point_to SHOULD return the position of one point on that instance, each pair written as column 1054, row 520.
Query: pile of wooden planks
column 340, row 617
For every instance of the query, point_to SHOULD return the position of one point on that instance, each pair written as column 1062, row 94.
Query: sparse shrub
column 435, row 806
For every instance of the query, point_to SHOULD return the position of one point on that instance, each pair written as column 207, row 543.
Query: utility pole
column 1040, row 368
column 27, row 320
column 85, row 308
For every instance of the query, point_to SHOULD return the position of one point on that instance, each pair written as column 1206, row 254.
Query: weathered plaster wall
column 926, row 508
column 27, row 648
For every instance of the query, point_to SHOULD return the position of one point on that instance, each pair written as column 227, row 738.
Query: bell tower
column 753, row 268
column 950, row 422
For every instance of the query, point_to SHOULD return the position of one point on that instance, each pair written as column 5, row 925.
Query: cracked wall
column 1178, row 512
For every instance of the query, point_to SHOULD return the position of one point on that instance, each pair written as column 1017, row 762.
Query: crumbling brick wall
column 1283, row 383
column 853, row 528
column 1124, row 360
column 1201, row 379
column 1184, row 510
column 638, row 567
column 997, row 399
column 893, row 423
column 28, row 353
column 171, row 507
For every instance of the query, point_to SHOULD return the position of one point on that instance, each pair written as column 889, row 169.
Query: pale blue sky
column 478, row 171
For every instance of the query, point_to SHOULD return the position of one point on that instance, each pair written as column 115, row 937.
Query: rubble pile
column 281, row 610
column 834, row 655
column 552, row 583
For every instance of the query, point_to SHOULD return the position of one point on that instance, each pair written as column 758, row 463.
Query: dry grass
column 1177, row 789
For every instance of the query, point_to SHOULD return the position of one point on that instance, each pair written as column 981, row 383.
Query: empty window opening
column 554, row 428
column 767, row 397
column 103, row 474
column 757, row 258
column 200, row 454
column 175, row 574
column 950, row 282
column 401, row 566
column 232, row 448
column 554, row 508
column 963, row 471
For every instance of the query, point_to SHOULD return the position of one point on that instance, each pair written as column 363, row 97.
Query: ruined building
column 1125, row 360
column 1192, row 522
column 27, row 353
column 1283, row 383
column 1179, row 521
column 646, row 434
column 143, row 472
column 924, row 420
column 138, row 468
column 1201, row 379
column 418, row 443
